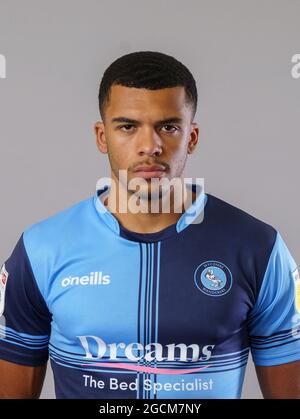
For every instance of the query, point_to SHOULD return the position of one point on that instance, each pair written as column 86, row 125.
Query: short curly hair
column 149, row 70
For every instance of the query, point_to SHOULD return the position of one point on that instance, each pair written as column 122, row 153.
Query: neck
column 147, row 221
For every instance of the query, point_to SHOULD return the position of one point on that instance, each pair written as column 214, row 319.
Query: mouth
column 150, row 171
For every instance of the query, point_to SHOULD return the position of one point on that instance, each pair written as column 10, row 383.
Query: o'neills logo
column 150, row 352
column 94, row 278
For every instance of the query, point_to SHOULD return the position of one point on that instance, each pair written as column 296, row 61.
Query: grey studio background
column 240, row 55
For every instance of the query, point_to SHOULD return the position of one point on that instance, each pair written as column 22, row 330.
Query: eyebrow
column 174, row 119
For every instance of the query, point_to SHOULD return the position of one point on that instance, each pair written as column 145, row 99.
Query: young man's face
column 146, row 137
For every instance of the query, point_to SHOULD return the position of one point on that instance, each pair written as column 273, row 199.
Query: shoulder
column 60, row 222
column 48, row 237
column 51, row 239
column 240, row 226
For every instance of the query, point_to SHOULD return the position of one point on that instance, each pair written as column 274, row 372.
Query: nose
column 149, row 143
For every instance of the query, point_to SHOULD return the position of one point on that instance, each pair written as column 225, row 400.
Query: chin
column 146, row 192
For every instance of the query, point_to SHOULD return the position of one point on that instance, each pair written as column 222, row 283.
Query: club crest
column 213, row 278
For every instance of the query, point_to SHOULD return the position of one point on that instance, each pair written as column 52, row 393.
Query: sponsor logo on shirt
column 213, row 278
column 94, row 278
column 3, row 283
column 297, row 289
column 136, row 352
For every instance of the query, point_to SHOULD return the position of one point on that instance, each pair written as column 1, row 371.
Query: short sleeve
column 25, row 321
column 274, row 323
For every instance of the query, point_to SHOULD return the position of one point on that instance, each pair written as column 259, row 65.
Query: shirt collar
column 192, row 215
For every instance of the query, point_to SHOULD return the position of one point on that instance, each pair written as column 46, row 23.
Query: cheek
column 118, row 157
column 179, row 158
column 179, row 153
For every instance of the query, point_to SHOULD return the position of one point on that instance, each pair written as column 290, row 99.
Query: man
column 149, row 305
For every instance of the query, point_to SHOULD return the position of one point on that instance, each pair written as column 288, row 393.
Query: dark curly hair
column 149, row 70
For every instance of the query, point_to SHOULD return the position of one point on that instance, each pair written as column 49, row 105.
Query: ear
column 100, row 137
column 193, row 140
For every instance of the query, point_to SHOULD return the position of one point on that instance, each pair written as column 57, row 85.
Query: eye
column 173, row 128
column 126, row 127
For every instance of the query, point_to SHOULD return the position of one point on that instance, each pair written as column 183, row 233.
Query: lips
column 150, row 169
column 148, row 172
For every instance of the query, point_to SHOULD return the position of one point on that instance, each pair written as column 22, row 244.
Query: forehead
column 130, row 101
